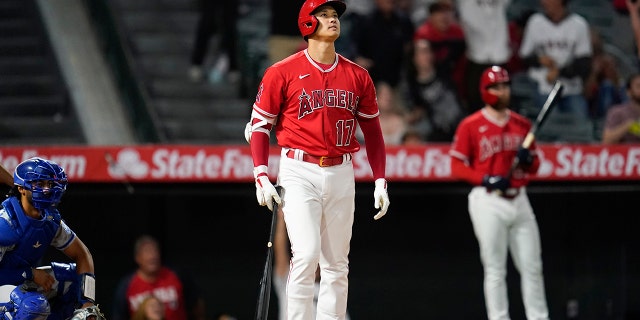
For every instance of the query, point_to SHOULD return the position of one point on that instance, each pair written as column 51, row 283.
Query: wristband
column 87, row 292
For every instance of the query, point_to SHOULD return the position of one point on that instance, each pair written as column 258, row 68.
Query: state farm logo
column 127, row 163
column 546, row 165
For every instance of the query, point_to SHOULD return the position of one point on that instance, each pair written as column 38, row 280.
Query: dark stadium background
column 418, row 262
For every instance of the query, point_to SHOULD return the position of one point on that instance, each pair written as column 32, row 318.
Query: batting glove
column 380, row 198
column 524, row 156
column 265, row 191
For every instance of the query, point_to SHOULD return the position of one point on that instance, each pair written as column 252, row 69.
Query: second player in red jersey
column 483, row 150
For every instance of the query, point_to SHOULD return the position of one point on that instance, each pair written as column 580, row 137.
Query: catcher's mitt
column 88, row 313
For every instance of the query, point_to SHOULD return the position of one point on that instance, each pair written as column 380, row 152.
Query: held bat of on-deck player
column 262, row 307
column 552, row 99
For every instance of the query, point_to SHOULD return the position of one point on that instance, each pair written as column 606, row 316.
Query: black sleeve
column 531, row 61
column 579, row 67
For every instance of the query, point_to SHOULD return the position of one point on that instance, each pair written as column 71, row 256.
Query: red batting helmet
column 492, row 76
column 307, row 22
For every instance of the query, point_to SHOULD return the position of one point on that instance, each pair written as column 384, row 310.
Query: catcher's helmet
column 45, row 178
column 492, row 76
column 307, row 22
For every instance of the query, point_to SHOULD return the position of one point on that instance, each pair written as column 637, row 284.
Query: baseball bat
column 552, row 99
column 262, row 306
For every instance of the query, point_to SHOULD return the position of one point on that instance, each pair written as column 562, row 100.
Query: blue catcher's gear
column 25, row 304
column 29, row 238
column 26, row 301
column 45, row 178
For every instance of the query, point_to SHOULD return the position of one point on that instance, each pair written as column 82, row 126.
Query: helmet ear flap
column 307, row 25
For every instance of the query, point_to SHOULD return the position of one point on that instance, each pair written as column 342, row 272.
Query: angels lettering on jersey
column 495, row 143
column 331, row 98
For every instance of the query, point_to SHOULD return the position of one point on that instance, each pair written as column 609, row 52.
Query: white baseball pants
column 318, row 206
column 502, row 224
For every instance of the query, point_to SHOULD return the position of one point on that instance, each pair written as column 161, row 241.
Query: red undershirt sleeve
column 374, row 144
column 461, row 171
column 260, row 148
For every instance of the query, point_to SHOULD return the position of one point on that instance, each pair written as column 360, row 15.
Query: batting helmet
column 492, row 76
column 31, row 172
column 307, row 22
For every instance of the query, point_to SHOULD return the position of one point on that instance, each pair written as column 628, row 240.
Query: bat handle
column 528, row 140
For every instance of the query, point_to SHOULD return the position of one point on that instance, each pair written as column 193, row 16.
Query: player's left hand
column 524, row 157
column 381, row 198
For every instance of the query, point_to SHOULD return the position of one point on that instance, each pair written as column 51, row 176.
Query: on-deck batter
column 482, row 152
column 315, row 99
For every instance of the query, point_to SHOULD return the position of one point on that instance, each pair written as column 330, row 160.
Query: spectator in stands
column 151, row 308
column 486, row 34
column 178, row 293
column 216, row 16
column 412, row 138
column 435, row 108
column 602, row 87
column 622, row 123
column 382, row 42
column 284, row 36
column 393, row 114
column 633, row 7
column 447, row 41
column 557, row 46
column 5, row 176
column 515, row 65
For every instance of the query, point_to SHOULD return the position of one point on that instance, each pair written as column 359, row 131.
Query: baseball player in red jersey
column 482, row 152
column 314, row 100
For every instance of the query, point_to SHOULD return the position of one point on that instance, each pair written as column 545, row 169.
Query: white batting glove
column 380, row 198
column 247, row 131
column 265, row 191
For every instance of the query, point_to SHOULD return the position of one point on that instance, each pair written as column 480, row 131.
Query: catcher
column 29, row 223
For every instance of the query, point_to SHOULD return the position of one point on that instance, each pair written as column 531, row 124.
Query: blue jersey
column 24, row 240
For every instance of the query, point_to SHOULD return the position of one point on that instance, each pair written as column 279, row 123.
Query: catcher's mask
column 44, row 178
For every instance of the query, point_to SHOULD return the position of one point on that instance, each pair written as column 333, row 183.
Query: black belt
column 322, row 161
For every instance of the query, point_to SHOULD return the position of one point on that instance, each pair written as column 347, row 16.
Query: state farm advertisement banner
column 198, row 163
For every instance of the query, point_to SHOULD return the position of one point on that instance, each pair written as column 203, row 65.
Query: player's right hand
column 265, row 191
column 496, row 183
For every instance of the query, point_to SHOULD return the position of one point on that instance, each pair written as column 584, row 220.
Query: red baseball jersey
column 167, row 288
column 316, row 107
column 488, row 146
